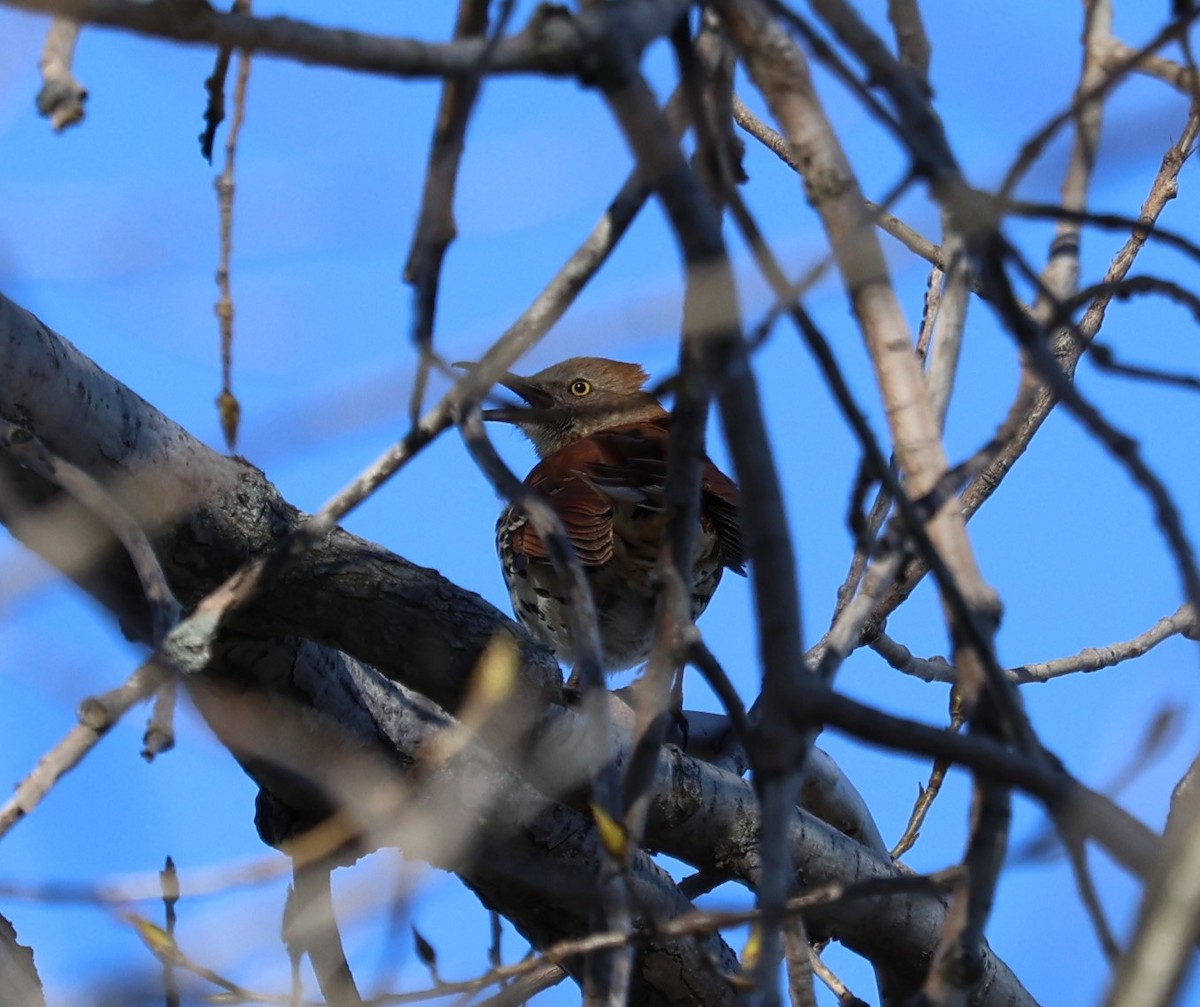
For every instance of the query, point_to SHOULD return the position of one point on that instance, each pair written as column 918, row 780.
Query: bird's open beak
column 532, row 394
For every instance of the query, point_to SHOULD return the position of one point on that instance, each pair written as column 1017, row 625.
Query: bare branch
column 1117, row 58
column 713, row 356
column 62, row 97
column 928, row 795
column 18, row 973
column 435, row 221
column 214, row 86
column 1109, row 221
column 1123, row 288
column 1104, row 359
column 780, row 73
column 555, row 42
column 228, row 407
column 1180, row 622
column 957, row 966
column 96, row 716
column 1033, row 148
column 1077, row 855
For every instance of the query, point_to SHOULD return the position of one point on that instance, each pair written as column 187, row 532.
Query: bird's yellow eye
column 581, row 387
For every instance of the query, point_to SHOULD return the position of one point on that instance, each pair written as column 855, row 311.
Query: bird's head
column 575, row 399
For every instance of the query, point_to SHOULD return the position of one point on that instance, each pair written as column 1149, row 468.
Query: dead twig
column 62, row 97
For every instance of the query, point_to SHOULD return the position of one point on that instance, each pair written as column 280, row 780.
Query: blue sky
column 109, row 234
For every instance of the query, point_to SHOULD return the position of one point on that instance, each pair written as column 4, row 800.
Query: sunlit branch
column 1182, row 622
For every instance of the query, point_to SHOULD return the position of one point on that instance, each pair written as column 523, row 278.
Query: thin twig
column 228, row 407
column 920, row 811
column 169, row 881
column 949, row 324
column 97, row 715
column 1106, row 221
column 62, row 97
column 866, row 533
column 704, row 661
column 1104, row 359
column 1123, row 448
column 1033, row 148
column 777, row 143
column 214, row 86
column 1119, row 58
column 1181, row 622
column 1123, row 289
column 544, row 966
column 1077, row 856
column 1129, row 841
column 833, row 983
column 929, row 794
column 435, row 220
column 121, row 893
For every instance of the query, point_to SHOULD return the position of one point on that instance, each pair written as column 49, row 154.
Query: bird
column 602, row 438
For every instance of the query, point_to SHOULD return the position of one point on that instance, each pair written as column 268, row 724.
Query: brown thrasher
column 602, row 440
